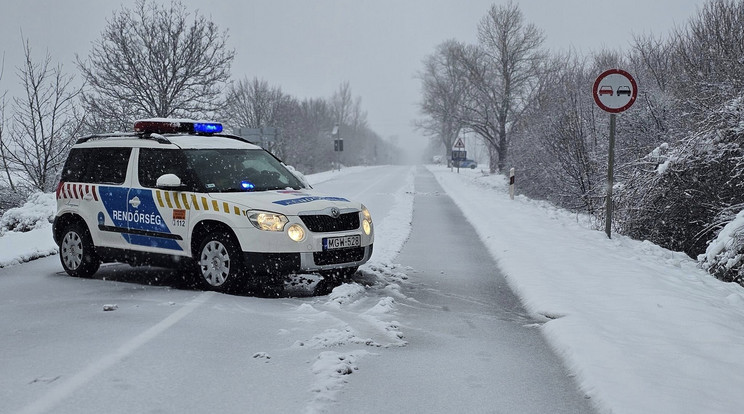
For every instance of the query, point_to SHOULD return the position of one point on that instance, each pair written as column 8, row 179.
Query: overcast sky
column 309, row 47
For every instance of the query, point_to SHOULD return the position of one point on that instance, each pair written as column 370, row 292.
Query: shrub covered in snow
column 38, row 211
column 10, row 198
column 724, row 257
column 682, row 192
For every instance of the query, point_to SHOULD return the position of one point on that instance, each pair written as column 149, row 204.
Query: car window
column 154, row 162
column 226, row 170
column 97, row 165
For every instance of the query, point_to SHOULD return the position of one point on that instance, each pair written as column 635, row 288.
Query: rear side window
column 97, row 165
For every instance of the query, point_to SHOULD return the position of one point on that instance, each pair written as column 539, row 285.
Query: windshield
column 232, row 170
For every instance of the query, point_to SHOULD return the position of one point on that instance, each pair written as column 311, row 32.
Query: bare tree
column 504, row 77
column 311, row 125
column 348, row 110
column 443, row 85
column 707, row 58
column 156, row 60
column 45, row 121
column 341, row 103
column 252, row 104
column 6, row 166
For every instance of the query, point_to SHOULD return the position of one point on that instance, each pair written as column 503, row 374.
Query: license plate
column 343, row 242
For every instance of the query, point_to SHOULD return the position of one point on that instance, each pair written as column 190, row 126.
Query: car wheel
column 219, row 263
column 76, row 252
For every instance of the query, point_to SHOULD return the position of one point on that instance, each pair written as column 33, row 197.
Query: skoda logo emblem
column 334, row 212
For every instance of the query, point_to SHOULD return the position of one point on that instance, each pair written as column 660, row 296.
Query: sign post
column 614, row 91
column 338, row 144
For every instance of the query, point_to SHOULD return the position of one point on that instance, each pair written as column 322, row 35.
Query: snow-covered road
column 642, row 329
column 472, row 347
column 168, row 350
column 399, row 339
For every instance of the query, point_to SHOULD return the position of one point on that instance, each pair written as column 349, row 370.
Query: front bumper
column 289, row 263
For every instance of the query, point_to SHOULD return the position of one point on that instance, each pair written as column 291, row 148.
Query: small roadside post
column 614, row 91
column 511, row 183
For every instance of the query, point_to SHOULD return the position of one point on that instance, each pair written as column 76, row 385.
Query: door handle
column 135, row 202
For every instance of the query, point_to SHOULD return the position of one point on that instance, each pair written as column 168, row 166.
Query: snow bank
column 644, row 328
column 26, row 232
column 38, row 210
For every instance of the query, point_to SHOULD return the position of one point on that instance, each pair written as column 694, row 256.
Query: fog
column 308, row 48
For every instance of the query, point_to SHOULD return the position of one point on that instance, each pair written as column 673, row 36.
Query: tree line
column 679, row 158
column 164, row 61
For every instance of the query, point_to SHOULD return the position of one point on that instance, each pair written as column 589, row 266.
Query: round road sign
column 615, row 90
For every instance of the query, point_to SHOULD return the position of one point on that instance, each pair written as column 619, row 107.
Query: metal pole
column 610, row 177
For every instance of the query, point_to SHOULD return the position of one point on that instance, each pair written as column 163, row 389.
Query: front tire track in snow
column 345, row 306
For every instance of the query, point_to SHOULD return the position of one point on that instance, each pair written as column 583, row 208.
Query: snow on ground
column 314, row 179
column 364, row 316
column 17, row 247
column 17, row 243
column 644, row 329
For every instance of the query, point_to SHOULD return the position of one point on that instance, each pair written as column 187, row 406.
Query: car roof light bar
column 173, row 126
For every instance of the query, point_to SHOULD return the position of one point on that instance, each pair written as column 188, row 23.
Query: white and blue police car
column 180, row 192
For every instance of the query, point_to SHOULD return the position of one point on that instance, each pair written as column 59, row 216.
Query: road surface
column 434, row 329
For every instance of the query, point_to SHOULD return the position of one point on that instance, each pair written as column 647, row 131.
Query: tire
column 77, row 253
column 219, row 263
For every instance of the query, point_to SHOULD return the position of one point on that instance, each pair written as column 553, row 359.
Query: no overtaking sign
column 615, row 90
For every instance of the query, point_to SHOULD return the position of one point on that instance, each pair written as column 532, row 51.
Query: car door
column 157, row 219
column 103, row 198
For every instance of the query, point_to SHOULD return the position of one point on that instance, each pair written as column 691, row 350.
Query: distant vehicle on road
column 437, row 159
column 468, row 164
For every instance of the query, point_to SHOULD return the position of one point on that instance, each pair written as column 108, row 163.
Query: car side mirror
column 169, row 182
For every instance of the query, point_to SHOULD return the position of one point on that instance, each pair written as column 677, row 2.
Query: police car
column 182, row 193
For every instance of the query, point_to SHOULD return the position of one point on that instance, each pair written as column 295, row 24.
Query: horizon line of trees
column 679, row 158
column 155, row 60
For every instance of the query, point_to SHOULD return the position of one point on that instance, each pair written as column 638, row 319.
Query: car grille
column 323, row 223
column 353, row 254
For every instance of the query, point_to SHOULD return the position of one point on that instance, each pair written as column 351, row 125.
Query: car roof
column 174, row 141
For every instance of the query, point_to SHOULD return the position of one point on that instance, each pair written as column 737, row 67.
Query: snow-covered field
column 643, row 328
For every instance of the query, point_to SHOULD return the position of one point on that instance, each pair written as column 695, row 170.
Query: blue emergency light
column 247, row 185
column 207, row 127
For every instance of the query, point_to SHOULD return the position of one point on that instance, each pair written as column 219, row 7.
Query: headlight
column 264, row 220
column 366, row 221
column 296, row 232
